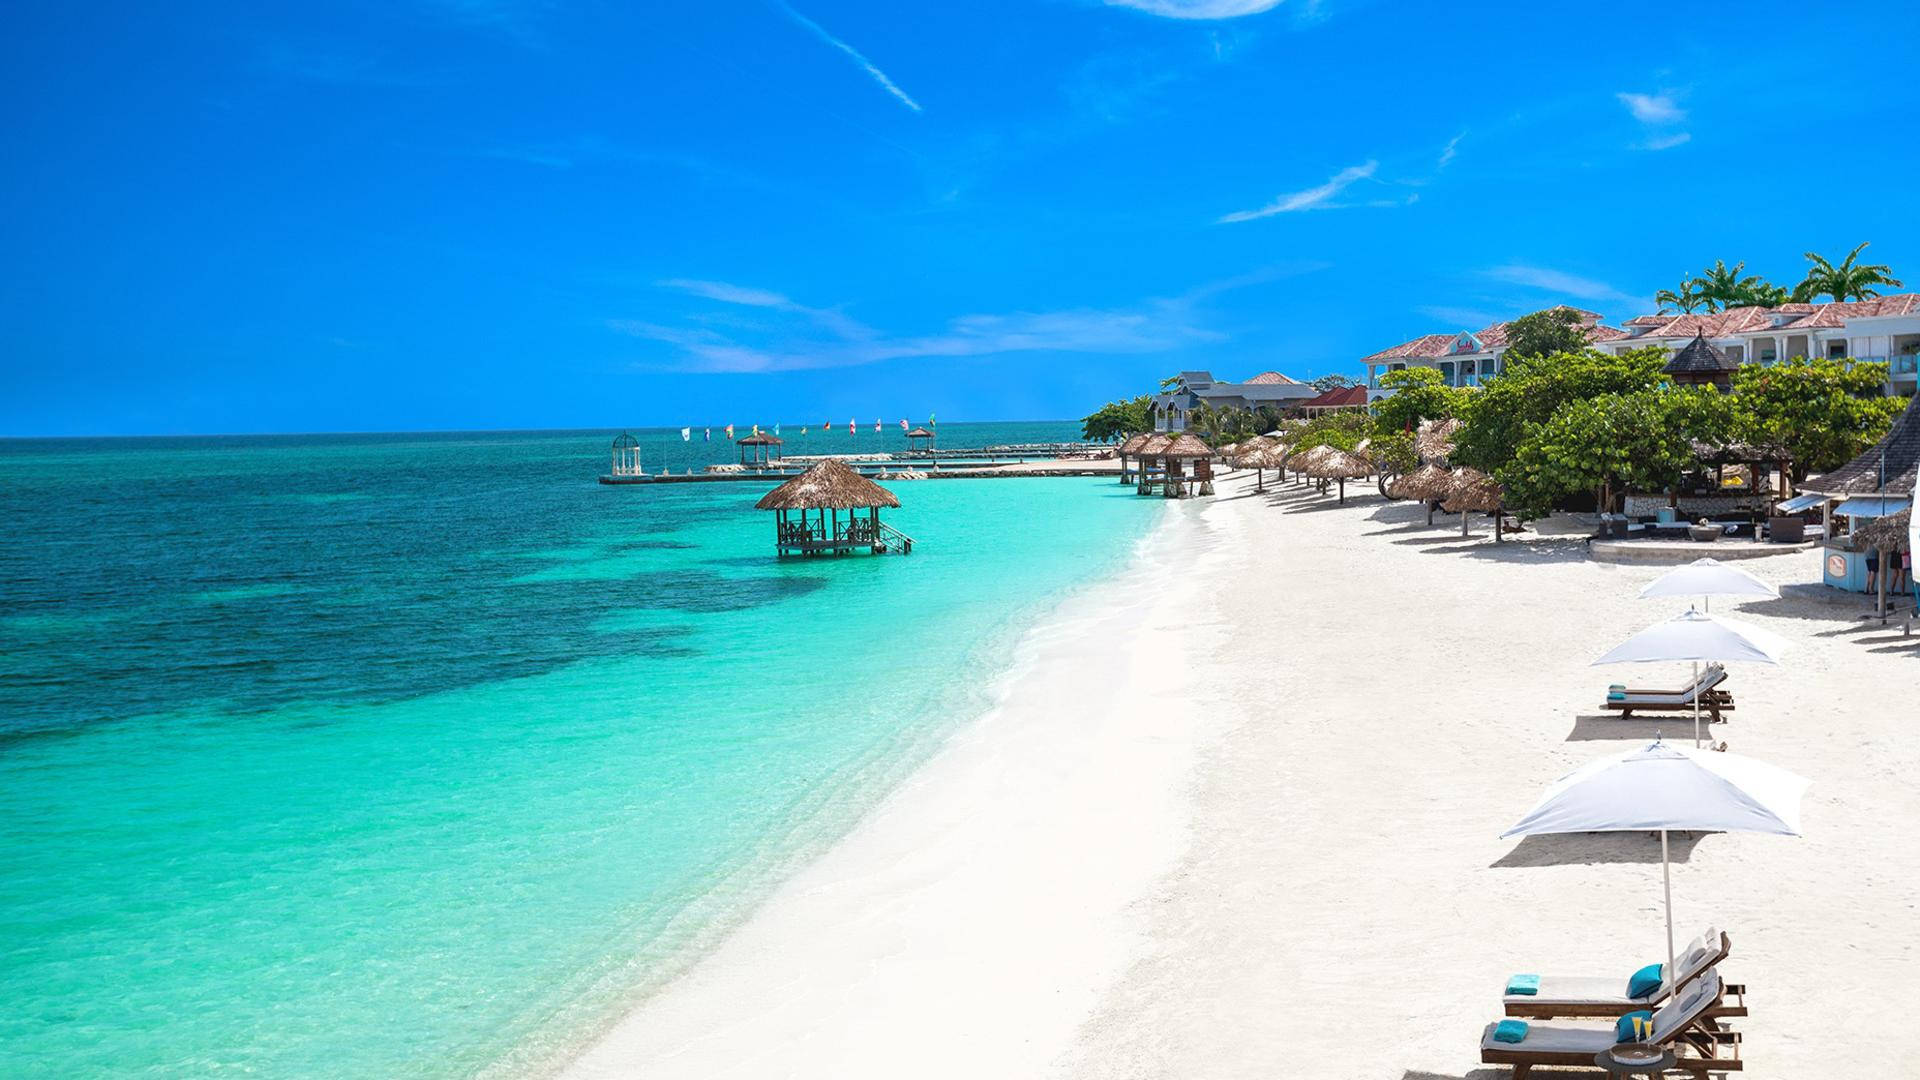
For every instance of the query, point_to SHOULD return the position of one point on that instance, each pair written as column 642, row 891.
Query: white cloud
column 1314, row 198
column 1448, row 152
column 1667, row 142
column 1653, row 108
column 879, row 76
column 1555, row 281
column 800, row 337
column 1198, row 9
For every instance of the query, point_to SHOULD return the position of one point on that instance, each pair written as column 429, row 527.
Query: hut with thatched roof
column 1173, row 451
column 921, row 441
column 759, row 449
column 1130, row 448
column 1473, row 491
column 1887, row 467
column 1701, row 363
column 807, row 513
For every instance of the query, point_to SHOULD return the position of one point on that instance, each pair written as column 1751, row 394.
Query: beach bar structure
column 921, row 440
column 1173, row 452
column 819, row 512
column 626, row 456
column 1879, row 483
column 759, row 449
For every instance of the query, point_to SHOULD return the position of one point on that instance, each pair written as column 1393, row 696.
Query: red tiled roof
column 1340, row 395
column 1649, row 320
column 1719, row 324
column 1424, row 347
column 1827, row 316
column 1272, row 378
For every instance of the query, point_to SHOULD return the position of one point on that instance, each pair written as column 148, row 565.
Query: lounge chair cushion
column 1527, row 985
column 1634, row 1027
column 1645, row 981
column 1510, row 1031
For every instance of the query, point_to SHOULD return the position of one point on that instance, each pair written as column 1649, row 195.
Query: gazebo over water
column 807, row 512
column 626, row 456
column 759, row 448
column 920, row 439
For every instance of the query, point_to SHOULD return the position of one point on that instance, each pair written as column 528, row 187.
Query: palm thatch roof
column 828, row 485
column 1265, row 454
column 1339, row 465
column 1889, row 465
column 1307, row 460
column 1183, row 445
column 1131, row 444
column 919, row 433
column 1434, row 440
column 1888, row 533
column 1427, row 483
column 1471, row 490
column 761, row 439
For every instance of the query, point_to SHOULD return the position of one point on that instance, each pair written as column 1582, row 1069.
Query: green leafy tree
column 1815, row 414
column 1341, row 430
column 1332, row 382
column 1847, row 281
column 1543, row 333
column 1419, row 393
column 1118, row 419
column 1393, row 452
column 1496, row 417
column 1686, row 301
column 1606, row 445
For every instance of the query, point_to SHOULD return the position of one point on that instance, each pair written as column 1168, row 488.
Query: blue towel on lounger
column 1524, row 984
column 1616, row 695
column 1510, row 1031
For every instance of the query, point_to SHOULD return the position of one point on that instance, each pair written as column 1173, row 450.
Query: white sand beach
column 1239, row 816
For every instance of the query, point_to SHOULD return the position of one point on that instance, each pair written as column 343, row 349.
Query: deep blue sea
column 428, row 755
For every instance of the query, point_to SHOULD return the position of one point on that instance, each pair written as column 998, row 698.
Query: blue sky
column 429, row 214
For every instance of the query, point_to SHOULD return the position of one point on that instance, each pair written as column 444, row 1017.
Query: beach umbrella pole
column 1696, row 704
column 1666, row 885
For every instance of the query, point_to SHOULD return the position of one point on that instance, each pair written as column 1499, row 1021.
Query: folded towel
column 1510, row 1031
column 1616, row 695
column 1634, row 1027
column 1645, row 981
column 1620, row 686
column 1524, row 984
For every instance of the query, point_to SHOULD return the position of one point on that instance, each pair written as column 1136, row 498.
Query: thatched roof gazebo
column 759, row 448
column 1891, row 533
column 824, row 490
column 1473, row 491
column 920, row 439
column 1174, row 449
column 1130, row 448
column 1701, row 363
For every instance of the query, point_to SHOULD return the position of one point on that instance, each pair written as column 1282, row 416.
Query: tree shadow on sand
column 1596, row 849
column 1477, row 1074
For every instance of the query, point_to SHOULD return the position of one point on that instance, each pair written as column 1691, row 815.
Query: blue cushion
column 1645, row 981
column 1524, row 984
column 1634, row 1027
column 1510, row 1031
column 1616, row 695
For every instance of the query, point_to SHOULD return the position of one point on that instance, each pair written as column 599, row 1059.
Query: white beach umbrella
column 1696, row 636
column 1658, row 788
column 1708, row 577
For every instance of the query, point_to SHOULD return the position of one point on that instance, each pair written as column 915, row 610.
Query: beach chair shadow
column 1595, row 849
column 1477, row 1074
column 1599, row 727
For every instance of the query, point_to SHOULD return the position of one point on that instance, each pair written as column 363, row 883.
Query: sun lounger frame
column 1733, row 997
column 1703, row 1044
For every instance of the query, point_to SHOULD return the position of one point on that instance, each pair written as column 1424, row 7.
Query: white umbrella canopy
column 1708, row 577
column 1662, row 788
column 1696, row 636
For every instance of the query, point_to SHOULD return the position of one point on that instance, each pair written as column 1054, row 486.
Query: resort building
column 1884, row 329
column 1464, row 359
column 1269, row 388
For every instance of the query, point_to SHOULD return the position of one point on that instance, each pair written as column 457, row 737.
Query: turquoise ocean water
column 373, row 756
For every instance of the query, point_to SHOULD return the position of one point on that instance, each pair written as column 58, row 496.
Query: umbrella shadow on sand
column 1477, row 1074
column 1600, row 727
column 1595, row 849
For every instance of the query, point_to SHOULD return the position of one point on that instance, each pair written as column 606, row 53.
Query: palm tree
column 1687, row 299
column 1763, row 294
column 1846, row 281
column 1725, row 288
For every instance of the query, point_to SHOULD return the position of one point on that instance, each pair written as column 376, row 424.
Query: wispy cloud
column 1652, row 108
column 879, row 76
column 1198, row 9
column 1313, row 198
column 789, row 336
column 1463, row 317
column 1659, row 113
column 1448, row 152
column 1558, row 282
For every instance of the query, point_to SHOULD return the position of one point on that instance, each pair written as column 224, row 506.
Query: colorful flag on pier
column 828, row 426
column 876, row 425
column 776, row 429
column 686, row 434
column 929, row 419
column 903, row 423
column 803, row 431
column 729, row 432
column 853, row 425
column 709, row 435
column 756, row 429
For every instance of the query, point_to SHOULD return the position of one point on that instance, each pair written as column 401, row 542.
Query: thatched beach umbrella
column 1473, row 490
column 1434, row 440
column 1341, row 466
column 1889, row 534
column 1259, row 454
column 1429, row 484
column 1305, row 462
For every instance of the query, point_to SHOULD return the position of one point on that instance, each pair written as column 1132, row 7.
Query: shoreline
column 934, row 887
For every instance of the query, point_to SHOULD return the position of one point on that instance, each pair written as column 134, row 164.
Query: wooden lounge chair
column 1702, row 1043
column 1581, row 995
column 1713, row 699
